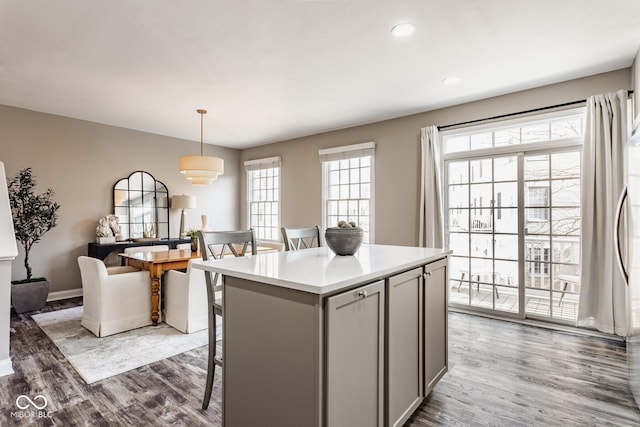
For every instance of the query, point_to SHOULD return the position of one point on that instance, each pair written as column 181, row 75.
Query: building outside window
column 263, row 197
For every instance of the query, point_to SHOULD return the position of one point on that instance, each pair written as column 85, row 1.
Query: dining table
column 156, row 263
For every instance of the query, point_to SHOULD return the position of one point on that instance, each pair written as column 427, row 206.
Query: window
column 347, row 181
column 538, row 196
column 512, row 208
column 263, row 197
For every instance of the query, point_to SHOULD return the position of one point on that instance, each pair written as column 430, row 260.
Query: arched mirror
column 142, row 206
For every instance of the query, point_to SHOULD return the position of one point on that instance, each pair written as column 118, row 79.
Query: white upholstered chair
column 114, row 302
column 154, row 248
column 186, row 299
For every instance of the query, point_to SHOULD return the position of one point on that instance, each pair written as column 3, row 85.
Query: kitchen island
column 315, row 339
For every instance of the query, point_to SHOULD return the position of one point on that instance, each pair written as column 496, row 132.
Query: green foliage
column 33, row 215
column 192, row 233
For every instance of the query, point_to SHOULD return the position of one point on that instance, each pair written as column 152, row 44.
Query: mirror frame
column 141, row 204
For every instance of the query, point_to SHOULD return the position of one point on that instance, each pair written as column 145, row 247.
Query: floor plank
column 501, row 374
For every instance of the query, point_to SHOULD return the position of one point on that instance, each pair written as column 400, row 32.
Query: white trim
column 70, row 293
column 362, row 146
column 266, row 163
column 5, row 367
column 513, row 149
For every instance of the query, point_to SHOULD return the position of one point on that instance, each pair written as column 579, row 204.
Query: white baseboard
column 58, row 295
column 5, row 367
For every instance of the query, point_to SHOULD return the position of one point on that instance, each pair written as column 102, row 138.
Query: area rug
column 98, row 358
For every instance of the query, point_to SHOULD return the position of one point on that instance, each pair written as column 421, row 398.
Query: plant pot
column 344, row 241
column 26, row 297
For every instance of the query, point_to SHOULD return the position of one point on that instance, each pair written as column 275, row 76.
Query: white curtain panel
column 431, row 226
column 602, row 290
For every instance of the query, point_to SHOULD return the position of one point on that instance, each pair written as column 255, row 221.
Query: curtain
column 431, row 227
column 602, row 290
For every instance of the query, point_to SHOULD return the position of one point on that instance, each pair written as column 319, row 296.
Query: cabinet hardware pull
column 427, row 273
column 362, row 294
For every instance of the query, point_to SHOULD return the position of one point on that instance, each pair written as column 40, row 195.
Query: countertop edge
column 326, row 289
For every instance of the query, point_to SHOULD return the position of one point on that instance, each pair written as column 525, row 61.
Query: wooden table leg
column 156, row 275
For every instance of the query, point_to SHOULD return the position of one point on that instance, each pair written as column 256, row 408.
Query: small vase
column 194, row 244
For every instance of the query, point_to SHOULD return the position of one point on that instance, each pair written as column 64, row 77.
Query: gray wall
column 397, row 158
column 81, row 161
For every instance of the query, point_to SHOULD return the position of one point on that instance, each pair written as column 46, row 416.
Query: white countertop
column 319, row 270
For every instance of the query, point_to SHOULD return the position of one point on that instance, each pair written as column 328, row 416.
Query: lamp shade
column 183, row 202
column 201, row 165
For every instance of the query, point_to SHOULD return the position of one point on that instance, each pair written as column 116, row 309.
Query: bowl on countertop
column 344, row 241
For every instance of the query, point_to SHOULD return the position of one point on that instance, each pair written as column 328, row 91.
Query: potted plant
column 193, row 235
column 33, row 215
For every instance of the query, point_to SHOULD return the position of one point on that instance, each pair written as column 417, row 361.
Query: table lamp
column 183, row 202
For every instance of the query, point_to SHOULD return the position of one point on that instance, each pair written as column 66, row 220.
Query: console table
column 101, row 251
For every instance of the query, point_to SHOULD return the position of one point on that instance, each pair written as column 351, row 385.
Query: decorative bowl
column 344, row 241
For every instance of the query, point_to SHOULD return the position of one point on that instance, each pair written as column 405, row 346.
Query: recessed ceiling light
column 403, row 30
column 451, row 80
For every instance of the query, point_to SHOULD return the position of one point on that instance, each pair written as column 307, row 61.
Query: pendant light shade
column 201, row 170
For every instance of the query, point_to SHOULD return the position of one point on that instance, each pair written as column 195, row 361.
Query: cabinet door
column 403, row 372
column 355, row 357
column 435, row 323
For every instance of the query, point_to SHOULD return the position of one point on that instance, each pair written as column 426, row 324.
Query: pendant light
column 201, row 170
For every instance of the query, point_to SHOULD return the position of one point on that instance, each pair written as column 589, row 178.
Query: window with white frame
column 263, row 197
column 538, row 196
column 347, row 181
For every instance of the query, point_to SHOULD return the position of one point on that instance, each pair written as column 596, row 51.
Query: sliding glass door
column 552, row 234
column 483, row 232
column 513, row 223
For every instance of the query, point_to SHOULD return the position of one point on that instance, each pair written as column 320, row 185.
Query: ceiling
column 270, row 70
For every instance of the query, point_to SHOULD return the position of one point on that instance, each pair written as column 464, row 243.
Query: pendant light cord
column 202, row 113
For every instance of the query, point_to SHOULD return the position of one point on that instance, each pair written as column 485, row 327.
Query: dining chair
column 301, row 238
column 183, row 246
column 215, row 245
column 154, row 248
column 185, row 300
column 113, row 301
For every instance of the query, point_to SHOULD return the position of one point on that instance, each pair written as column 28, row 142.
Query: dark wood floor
column 501, row 374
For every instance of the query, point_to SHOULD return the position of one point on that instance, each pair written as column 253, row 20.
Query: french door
column 513, row 223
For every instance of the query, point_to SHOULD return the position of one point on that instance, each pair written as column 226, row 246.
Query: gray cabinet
column 355, row 357
column 363, row 354
column 404, row 346
column 435, row 323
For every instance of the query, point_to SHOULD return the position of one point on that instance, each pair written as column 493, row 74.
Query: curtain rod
column 533, row 110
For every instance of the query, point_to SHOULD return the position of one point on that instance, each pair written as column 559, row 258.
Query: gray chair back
column 301, row 238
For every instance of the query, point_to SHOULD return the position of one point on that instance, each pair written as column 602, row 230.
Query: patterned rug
column 98, row 358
